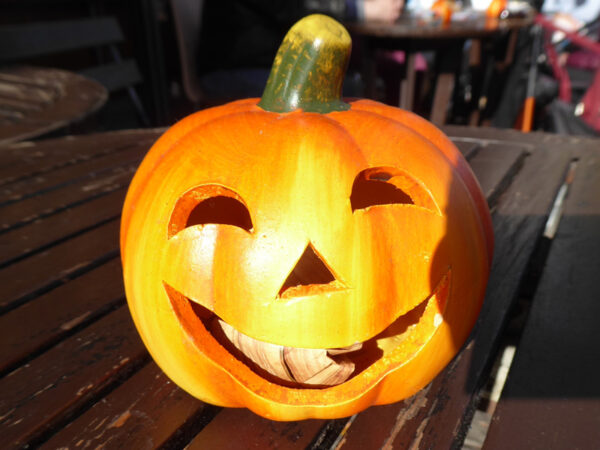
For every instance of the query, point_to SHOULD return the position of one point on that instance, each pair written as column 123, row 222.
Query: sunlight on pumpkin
column 348, row 280
column 209, row 204
column 418, row 326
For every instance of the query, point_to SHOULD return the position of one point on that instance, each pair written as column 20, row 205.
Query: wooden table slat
column 70, row 175
column 30, row 238
column 42, row 394
column 30, row 159
column 552, row 396
column 54, row 202
column 250, row 428
column 146, row 411
column 55, row 266
column 467, row 148
column 495, row 165
column 43, row 321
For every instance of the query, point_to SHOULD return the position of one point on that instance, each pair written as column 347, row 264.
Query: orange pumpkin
column 354, row 233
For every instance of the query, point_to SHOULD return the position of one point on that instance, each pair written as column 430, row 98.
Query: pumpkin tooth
column 267, row 356
column 315, row 366
column 336, row 373
column 301, row 365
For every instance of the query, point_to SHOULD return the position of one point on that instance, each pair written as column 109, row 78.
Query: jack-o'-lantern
column 302, row 256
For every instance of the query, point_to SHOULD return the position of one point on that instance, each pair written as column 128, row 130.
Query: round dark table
column 35, row 100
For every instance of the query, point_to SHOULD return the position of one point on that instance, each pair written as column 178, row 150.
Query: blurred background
column 163, row 59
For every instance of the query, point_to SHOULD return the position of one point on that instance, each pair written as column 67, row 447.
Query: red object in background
column 591, row 99
column 591, row 103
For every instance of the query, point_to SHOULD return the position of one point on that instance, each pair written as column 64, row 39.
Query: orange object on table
column 443, row 9
column 495, row 9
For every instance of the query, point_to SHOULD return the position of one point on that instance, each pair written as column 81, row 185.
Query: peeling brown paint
column 84, row 389
column 120, row 421
column 7, row 414
column 100, row 423
column 418, row 402
column 74, row 322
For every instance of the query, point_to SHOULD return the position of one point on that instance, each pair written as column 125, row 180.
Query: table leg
column 407, row 85
column 154, row 72
column 441, row 98
column 369, row 68
column 475, row 65
column 449, row 62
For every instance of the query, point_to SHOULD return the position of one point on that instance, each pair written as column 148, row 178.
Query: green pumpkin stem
column 309, row 68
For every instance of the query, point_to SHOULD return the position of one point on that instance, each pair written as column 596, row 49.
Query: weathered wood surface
column 73, row 372
column 146, row 411
column 33, row 237
column 552, row 395
column 101, row 173
column 24, row 163
column 41, row 272
column 42, row 322
column 252, row 431
column 34, row 101
column 41, row 395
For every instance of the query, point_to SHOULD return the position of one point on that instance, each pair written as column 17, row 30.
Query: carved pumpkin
column 302, row 256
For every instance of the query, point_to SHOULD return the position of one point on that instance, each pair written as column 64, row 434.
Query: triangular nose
column 309, row 270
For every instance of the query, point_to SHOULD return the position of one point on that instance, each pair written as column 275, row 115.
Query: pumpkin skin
column 408, row 271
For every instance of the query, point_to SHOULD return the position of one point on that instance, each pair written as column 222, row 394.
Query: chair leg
column 135, row 99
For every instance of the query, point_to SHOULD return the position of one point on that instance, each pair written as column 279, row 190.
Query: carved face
column 348, row 245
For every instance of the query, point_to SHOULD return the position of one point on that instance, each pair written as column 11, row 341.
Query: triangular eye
column 388, row 186
column 209, row 204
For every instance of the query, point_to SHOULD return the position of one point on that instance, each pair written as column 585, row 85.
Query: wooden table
column 412, row 34
column 35, row 100
column 74, row 373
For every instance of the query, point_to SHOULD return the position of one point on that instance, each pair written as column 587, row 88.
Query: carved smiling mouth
column 303, row 367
